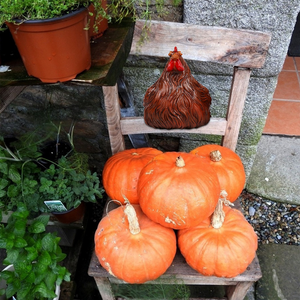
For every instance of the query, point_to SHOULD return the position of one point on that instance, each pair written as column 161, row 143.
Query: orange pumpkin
column 121, row 172
column 228, row 166
column 178, row 190
column 222, row 246
column 133, row 248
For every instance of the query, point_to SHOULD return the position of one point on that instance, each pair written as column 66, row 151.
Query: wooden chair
column 243, row 50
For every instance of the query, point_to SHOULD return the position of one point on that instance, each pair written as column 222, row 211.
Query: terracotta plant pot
column 54, row 50
column 72, row 215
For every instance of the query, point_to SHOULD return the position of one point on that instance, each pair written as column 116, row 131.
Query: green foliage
column 66, row 182
column 45, row 9
column 24, row 178
column 35, row 255
column 37, row 9
column 18, row 172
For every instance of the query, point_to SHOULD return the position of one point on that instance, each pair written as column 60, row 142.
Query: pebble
column 273, row 222
column 251, row 211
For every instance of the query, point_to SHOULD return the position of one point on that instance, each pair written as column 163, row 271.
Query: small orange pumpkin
column 228, row 166
column 178, row 190
column 133, row 248
column 121, row 172
column 222, row 246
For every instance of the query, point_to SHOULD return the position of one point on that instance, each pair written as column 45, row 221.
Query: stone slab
column 281, row 272
column 275, row 172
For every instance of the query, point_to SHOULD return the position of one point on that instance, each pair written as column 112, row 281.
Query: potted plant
column 35, row 256
column 50, row 36
column 43, row 29
column 62, row 181
column 65, row 186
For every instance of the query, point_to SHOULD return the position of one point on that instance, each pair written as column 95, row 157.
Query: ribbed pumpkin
column 222, row 246
column 121, row 172
column 178, row 190
column 137, row 250
column 228, row 166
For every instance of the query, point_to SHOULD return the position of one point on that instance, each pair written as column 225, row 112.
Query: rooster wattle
column 175, row 61
column 176, row 100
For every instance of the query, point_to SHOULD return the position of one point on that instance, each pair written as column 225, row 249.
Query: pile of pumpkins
column 174, row 198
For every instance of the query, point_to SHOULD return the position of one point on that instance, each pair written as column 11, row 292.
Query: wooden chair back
column 242, row 49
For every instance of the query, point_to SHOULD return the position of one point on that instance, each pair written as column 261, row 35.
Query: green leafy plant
column 24, row 10
column 35, row 256
column 66, row 182
column 18, row 173
column 26, row 176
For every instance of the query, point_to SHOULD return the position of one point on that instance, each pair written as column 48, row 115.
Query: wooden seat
column 241, row 49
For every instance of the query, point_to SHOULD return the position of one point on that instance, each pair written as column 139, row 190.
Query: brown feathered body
column 177, row 100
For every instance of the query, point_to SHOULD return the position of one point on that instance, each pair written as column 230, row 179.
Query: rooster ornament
column 176, row 100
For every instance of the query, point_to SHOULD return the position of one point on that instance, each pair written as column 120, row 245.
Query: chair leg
column 239, row 291
column 104, row 287
column 112, row 108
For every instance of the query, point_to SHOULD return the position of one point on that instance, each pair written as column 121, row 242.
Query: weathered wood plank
column 180, row 270
column 237, row 47
column 136, row 125
column 236, row 104
column 112, row 108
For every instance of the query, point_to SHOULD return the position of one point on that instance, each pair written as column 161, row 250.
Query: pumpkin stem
column 218, row 216
column 215, row 155
column 180, row 162
column 130, row 213
column 134, row 226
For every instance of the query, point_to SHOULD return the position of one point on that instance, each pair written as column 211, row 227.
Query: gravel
column 273, row 222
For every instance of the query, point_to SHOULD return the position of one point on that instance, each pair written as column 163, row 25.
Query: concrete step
column 276, row 169
column 281, row 272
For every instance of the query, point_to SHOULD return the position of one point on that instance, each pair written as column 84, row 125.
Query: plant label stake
column 55, row 206
column 176, row 100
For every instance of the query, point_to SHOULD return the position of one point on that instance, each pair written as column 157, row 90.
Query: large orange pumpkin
column 135, row 251
column 228, row 166
column 223, row 246
column 121, row 172
column 178, row 190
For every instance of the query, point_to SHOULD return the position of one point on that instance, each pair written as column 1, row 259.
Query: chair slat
column 136, row 125
column 236, row 47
